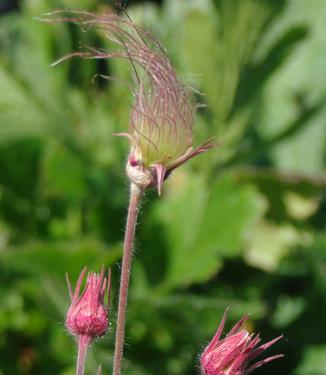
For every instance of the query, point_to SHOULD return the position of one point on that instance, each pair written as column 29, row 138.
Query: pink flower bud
column 233, row 354
column 87, row 315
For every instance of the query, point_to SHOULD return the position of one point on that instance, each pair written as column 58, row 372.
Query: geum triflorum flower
column 162, row 115
column 233, row 354
column 88, row 313
column 87, row 316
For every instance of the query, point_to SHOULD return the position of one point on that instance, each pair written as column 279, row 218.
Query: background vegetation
column 241, row 226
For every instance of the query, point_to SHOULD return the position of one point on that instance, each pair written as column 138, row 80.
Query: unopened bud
column 233, row 355
column 88, row 315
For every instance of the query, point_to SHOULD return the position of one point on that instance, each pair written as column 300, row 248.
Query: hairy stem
column 135, row 198
column 83, row 343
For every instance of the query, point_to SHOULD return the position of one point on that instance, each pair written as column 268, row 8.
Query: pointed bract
column 160, row 172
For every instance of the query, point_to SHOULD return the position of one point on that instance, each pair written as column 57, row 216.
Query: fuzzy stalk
column 134, row 203
column 83, row 344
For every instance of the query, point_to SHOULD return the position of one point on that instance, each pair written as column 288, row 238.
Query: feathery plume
column 161, row 120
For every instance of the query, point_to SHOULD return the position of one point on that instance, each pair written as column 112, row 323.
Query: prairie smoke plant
column 160, row 127
column 87, row 316
column 233, row 355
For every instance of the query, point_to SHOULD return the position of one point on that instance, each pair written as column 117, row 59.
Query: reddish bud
column 88, row 315
column 233, row 354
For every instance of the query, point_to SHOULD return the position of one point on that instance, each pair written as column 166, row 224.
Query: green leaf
column 64, row 174
column 269, row 243
column 44, row 260
column 314, row 361
column 288, row 309
column 20, row 115
column 296, row 88
column 203, row 224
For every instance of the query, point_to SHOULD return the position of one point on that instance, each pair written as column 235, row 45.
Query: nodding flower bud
column 233, row 355
column 161, row 120
column 87, row 315
column 161, row 123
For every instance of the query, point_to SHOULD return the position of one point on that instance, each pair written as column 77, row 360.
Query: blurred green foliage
column 241, row 226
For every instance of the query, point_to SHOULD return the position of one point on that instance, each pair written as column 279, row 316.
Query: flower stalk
column 83, row 344
column 134, row 203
